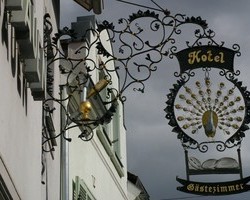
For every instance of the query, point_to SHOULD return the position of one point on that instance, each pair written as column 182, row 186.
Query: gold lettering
column 216, row 58
column 196, row 188
column 209, row 56
column 223, row 188
column 202, row 189
column 237, row 187
column 218, row 188
column 190, row 187
column 214, row 190
column 193, row 56
column 222, row 57
column 206, row 188
column 231, row 188
column 204, row 58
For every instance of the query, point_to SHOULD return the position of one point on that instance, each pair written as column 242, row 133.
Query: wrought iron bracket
column 131, row 54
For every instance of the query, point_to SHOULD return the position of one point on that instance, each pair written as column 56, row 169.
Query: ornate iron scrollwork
column 135, row 52
column 135, row 56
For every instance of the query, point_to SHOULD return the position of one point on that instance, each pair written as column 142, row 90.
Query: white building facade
column 98, row 168
column 23, row 88
column 36, row 162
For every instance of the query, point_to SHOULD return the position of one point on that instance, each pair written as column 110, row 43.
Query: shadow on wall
column 8, row 40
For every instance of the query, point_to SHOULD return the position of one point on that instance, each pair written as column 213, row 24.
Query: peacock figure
column 209, row 108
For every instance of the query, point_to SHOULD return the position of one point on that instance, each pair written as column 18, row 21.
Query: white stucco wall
column 21, row 125
column 21, row 136
column 90, row 161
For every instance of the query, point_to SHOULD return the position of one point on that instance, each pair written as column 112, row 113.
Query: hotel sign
column 206, row 56
column 198, row 106
column 214, row 189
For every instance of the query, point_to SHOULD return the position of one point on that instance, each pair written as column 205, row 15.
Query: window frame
column 79, row 186
column 6, row 183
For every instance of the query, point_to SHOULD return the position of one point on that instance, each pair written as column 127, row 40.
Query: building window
column 7, row 188
column 111, row 129
column 4, row 192
column 103, row 92
column 81, row 191
column 116, row 133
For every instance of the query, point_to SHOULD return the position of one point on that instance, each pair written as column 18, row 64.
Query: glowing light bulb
column 178, row 106
column 241, row 108
column 239, row 119
column 238, row 99
column 188, row 90
column 235, row 126
column 207, row 82
column 226, row 98
column 194, row 96
column 186, row 126
column 231, row 103
column 188, row 101
column 181, row 96
column 219, row 93
column 209, row 91
column 222, row 85
column 180, row 118
column 230, row 92
column 201, row 93
column 85, row 109
column 198, row 84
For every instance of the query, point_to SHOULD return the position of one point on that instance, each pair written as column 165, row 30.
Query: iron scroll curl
column 135, row 55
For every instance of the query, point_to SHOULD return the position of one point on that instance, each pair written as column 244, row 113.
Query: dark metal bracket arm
column 134, row 53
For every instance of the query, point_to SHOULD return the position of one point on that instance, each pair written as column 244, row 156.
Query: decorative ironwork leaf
column 121, row 50
column 244, row 127
column 105, row 25
column 171, row 23
column 102, row 50
column 140, row 14
column 62, row 32
column 197, row 31
column 166, row 53
column 120, row 21
column 148, row 57
column 167, row 12
column 197, row 20
column 157, row 26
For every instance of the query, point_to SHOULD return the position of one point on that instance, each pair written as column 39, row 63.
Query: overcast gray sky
column 154, row 153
